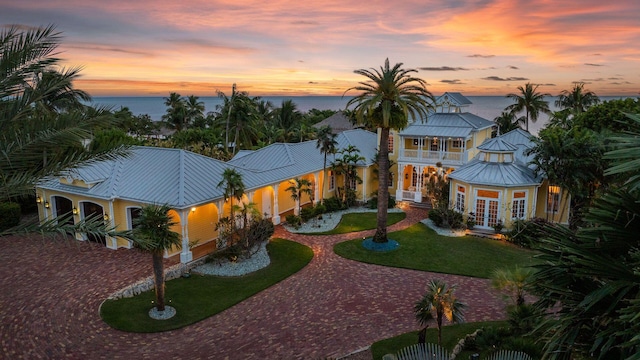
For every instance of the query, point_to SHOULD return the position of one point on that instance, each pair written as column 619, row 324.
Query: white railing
column 446, row 157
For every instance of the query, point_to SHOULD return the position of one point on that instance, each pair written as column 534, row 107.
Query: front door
column 90, row 209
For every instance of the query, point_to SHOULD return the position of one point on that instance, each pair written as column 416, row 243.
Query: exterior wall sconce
column 406, row 176
column 106, row 217
column 75, row 211
column 38, row 199
column 193, row 209
column 46, row 204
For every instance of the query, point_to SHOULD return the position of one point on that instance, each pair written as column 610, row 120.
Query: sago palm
column 387, row 99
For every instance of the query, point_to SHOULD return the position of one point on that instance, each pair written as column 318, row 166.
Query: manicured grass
column 450, row 337
column 199, row 297
column 421, row 248
column 354, row 222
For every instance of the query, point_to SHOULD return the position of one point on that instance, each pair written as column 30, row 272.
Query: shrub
column 498, row 227
column 294, row 220
column 446, row 218
column 9, row 215
column 332, row 204
column 306, row 214
column 526, row 233
column 235, row 242
column 320, row 209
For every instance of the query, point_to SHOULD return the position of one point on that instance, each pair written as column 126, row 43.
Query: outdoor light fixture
column 75, row 211
column 406, row 176
column 46, row 204
column 38, row 199
column 106, row 217
column 193, row 209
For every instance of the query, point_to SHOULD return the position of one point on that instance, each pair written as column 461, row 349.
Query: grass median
column 199, row 297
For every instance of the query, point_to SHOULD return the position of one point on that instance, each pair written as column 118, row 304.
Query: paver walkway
column 50, row 293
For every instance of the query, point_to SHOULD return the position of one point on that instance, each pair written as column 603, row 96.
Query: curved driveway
column 50, row 293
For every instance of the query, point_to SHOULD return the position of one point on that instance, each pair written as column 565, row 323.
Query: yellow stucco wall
column 562, row 215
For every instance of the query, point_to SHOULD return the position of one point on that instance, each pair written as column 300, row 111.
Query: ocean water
column 488, row 107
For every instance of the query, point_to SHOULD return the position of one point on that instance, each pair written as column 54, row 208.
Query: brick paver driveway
column 50, row 293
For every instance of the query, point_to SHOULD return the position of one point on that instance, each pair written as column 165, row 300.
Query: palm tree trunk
column 383, row 189
column 158, row 274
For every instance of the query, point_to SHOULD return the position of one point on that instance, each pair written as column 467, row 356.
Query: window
column 132, row 214
column 460, row 198
column 553, row 199
column 332, row 181
column 456, row 144
column 390, row 142
column 519, row 205
column 418, row 141
column 390, row 180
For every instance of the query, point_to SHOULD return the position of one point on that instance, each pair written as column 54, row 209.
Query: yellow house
column 498, row 185
column 116, row 189
column 447, row 140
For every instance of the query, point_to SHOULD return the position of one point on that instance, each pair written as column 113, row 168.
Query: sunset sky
column 279, row 47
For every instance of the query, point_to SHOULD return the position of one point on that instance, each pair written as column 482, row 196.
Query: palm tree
column 387, row 99
column 233, row 187
column 326, row 142
column 506, row 122
column 578, row 100
column 441, row 300
column 176, row 111
column 194, row 109
column 530, row 101
column 35, row 144
column 298, row 188
column 152, row 233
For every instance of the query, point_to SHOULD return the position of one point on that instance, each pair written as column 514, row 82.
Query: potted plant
column 498, row 226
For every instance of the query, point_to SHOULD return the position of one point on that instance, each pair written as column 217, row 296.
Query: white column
column 400, row 181
column 316, row 191
column 276, row 212
column 364, row 184
column 185, row 255
column 109, row 239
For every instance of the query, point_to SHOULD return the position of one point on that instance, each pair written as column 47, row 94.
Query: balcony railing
column 428, row 156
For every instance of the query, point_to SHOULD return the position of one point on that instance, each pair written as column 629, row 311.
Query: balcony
column 432, row 157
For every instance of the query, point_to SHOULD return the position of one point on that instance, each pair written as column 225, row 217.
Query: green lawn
column 421, row 248
column 199, row 297
column 450, row 337
column 354, row 222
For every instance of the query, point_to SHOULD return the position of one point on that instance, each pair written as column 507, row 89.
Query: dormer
column 68, row 180
column 452, row 102
column 497, row 150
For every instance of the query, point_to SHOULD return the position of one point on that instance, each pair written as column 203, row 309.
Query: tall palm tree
column 298, row 188
column 530, row 101
column 152, row 233
column 578, row 100
column 233, row 187
column 194, row 109
column 387, row 99
column 326, row 142
column 439, row 299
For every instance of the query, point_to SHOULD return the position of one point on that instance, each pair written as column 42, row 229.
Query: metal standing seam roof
column 505, row 174
column 447, row 125
column 182, row 179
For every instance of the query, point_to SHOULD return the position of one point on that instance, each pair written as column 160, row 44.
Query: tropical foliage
column 577, row 100
column 298, row 188
column 326, row 143
column 233, row 187
column 387, row 99
column 346, row 164
column 589, row 279
column 43, row 122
